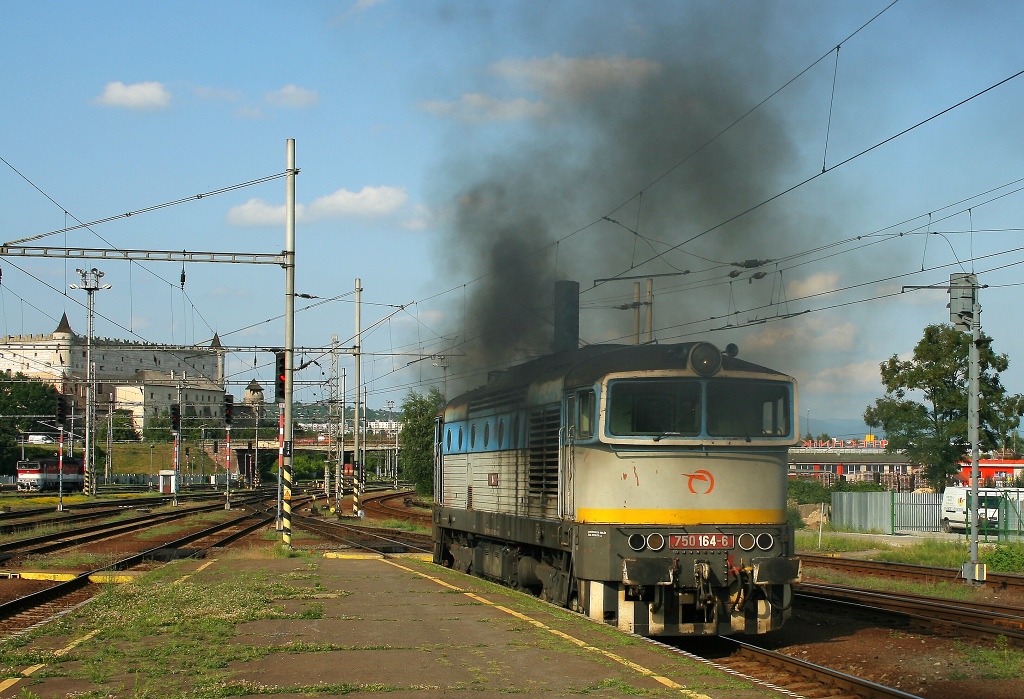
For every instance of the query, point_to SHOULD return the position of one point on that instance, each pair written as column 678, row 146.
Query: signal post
column 62, row 416
column 229, row 406
column 176, row 429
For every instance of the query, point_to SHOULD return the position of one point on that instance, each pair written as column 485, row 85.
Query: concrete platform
column 404, row 627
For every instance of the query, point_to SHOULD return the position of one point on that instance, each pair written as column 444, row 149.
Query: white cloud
column 293, row 97
column 811, row 336
column 816, row 284
column 476, row 107
column 257, row 212
column 216, row 93
column 849, row 378
column 419, row 219
column 558, row 77
column 142, row 96
column 249, row 113
column 369, row 202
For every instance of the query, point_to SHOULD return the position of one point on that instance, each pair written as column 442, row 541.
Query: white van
column 956, row 506
column 40, row 439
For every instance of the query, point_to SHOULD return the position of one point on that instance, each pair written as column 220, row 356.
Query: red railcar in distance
column 36, row 475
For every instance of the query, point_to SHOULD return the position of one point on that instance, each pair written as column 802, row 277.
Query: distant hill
column 839, row 428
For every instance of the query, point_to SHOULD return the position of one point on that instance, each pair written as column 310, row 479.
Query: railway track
column 908, row 571
column 355, row 537
column 23, row 613
column 937, row 615
column 790, row 675
column 397, row 506
column 55, row 541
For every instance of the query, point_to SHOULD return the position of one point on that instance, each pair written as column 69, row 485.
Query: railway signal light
column 176, row 417
column 279, row 377
column 229, row 407
column 62, row 410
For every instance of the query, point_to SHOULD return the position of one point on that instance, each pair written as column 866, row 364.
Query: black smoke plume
column 562, row 200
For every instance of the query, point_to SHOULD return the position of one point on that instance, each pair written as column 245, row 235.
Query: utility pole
column 341, row 452
column 334, row 435
column 636, row 313
column 289, row 340
column 650, row 311
column 110, row 438
column 391, row 404
column 965, row 314
column 90, row 284
column 177, row 449
column 357, row 464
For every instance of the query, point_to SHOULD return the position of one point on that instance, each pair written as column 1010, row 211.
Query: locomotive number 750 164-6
column 700, row 541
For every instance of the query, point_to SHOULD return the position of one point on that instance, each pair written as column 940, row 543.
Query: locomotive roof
column 584, row 366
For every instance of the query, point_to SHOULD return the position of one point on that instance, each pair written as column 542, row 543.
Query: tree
column 933, row 431
column 416, row 443
column 20, row 395
column 124, row 428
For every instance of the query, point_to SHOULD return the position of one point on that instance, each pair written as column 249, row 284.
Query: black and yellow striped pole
column 289, row 340
column 357, row 461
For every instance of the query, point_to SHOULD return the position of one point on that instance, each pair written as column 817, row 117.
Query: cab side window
column 585, row 424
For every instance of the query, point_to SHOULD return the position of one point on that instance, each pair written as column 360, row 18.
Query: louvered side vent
column 498, row 402
column 544, row 425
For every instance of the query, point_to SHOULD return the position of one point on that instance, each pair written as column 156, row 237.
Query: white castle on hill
column 139, row 376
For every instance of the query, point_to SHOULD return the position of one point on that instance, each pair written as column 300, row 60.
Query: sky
column 459, row 158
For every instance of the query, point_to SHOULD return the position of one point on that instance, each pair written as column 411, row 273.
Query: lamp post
column 91, row 284
column 396, row 456
column 391, row 404
column 151, row 445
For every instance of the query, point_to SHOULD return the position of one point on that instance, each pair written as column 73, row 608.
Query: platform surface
column 352, row 626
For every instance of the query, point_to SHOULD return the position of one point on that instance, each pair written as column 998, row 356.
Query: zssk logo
column 704, row 478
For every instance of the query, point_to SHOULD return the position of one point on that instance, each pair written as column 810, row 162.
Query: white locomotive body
column 642, row 485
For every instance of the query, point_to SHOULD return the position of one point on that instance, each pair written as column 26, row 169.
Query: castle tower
column 219, row 348
column 63, row 338
column 253, row 393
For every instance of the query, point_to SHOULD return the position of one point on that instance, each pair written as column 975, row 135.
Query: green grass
column 73, row 560
column 835, row 543
column 398, row 524
column 946, row 590
column 930, row 552
column 176, row 639
column 1005, row 557
column 1000, row 662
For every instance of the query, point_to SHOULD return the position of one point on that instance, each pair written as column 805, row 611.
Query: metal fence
column 887, row 512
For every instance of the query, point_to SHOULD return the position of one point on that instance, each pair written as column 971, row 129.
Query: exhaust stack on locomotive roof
column 567, row 316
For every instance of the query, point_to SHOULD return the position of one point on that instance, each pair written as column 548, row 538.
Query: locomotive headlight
column 655, row 542
column 637, row 542
column 746, row 541
column 765, row 541
column 705, row 359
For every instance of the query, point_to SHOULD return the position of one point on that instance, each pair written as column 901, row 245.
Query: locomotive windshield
column 681, row 407
column 654, row 407
column 747, row 409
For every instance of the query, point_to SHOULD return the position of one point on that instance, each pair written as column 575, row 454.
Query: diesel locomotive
column 641, row 485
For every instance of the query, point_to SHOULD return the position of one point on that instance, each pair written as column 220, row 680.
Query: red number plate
column 700, row 541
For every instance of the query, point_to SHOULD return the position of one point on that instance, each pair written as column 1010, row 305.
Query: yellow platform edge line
column 43, row 575
column 122, row 577
column 640, row 669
